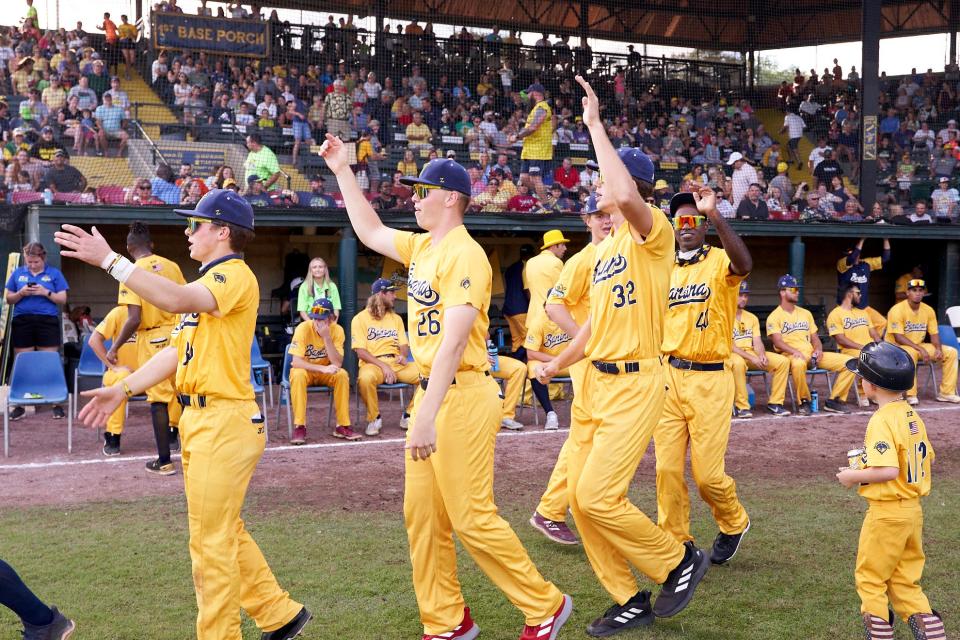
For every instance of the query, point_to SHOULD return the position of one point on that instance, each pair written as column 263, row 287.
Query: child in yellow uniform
column 317, row 352
column 544, row 342
column 126, row 364
column 749, row 353
column 908, row 324
column 380, row 341
column 512, row 372
column 852, row 327
column 892, row 472
column 793, row 332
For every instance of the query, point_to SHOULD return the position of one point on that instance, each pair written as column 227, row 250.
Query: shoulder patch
column 881, row 447
column 219, row 277
column 465, row 283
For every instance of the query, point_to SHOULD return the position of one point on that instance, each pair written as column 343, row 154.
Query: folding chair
column 533, row 400
column 948, row 336
column 90, row 366
column 285, row 393
column 396, row 386
column 259, row 364
column 766, row 381
column 37, row 379
column 953, row 315
column 811, row 373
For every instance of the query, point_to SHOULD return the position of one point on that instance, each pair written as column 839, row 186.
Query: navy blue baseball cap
column 222, row 205
column 637, row 162
column 382, row 284
column 787, row 282
column 321, row 309
column 591, row 205
column 447, row 174
column 536, row 86
column 680, row 199
column 744, row 287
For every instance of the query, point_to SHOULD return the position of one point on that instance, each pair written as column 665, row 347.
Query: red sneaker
column 549, row 628
column 299, row 435
column 466, row 630
column 346, row 433
column 558, row 531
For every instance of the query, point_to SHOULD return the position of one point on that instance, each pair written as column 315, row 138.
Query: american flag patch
column 914, row 427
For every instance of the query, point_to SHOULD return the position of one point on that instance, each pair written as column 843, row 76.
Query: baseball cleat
column 913, row 401
column 58, row 413
column 60, row 629
column 552, row 423
column 346, row 433
column 404, row 422
column 111, row 444
column 778, row 410
column 549, row 628
column 374, row 426
column 509, row 423
column 877, row 628
column 16, row 413
column 725, row 546
column 556, row 530
column 161, row 469
column 635, row 612
column 742, row 413
column 290, row 630
column 299, row 435
column 677, row 590
column 927, row 626
column 948, row 397
column 466, row 630
column 834, row 406
column 805, row 408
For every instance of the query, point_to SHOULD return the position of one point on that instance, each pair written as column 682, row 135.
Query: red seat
column 111, row 194
column 26, row 197
column 70, row 198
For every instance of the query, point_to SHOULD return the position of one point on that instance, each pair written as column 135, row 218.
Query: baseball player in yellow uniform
column 513, row 372
column 380, row 341
column 625, row 388
column 749, row 353
column 222, row 427
column 793, row 332
column 545, row 341
column 893, row 473
column 541, row 273
column 449, row 463
column 701, row 308
column 126, row 363
column 152, row 326
column 852, row 327
column 855, row 269
column 569, row 306
column 317, row 351
column 908, row 324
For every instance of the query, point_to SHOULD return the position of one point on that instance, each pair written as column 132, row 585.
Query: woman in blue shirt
column 35, row 291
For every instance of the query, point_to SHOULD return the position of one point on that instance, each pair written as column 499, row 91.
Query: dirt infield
column 368, row 475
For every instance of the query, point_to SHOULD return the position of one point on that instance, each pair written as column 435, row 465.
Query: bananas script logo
column 609, row 268
column 690, row 293
column 420, row 290
column 378, row 334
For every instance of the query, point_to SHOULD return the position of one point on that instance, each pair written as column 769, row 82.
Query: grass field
column 122, row 571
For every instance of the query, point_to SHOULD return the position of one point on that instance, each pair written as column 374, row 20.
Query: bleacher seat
column 26, row 197
column 67, row 198
column 111, row 194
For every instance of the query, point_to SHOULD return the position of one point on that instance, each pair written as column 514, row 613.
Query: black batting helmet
column 884, row 365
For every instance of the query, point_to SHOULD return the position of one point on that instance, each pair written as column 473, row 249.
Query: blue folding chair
column 396, row 386
column 90, row 366
column 812, row 374
column 766, row 383
column 948, row 336
column 259, row 390
column 37, row 379
column 285, row 393
column 259, row 365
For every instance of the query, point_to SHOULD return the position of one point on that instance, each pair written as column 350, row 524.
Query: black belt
column 185, row 400
column 611, row 367
column 425, row 381
column 690, row 365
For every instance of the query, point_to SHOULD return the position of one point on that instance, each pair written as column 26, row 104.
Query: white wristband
column 109, row 260
column 121, row 269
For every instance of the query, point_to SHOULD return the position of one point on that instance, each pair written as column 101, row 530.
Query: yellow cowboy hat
column 552, row 237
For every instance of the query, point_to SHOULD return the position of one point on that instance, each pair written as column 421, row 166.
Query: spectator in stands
column 261, row 161
column 54, row 96
column 99, row 78
column 852, row 211
column 190, row 192
column 318, row 197
column 141, row 195
column 743, row 176
column 255, row 194
column 110, row 122
column 945, row 199
column 118, row 95
column 566, row 175
column 537, row 137
column 128, row 43
column 158, row 69
column 87, row 96
column 24, row 76
column 558, row 202
column 753, row 207
column 369, row 154
column 45, row 147
column 493, row 199
column 589, row 175
column 336, row 111
column 408, row 166
column 827, row 168
column 34, row 168
column 904, row 178
column 418, row 133
column 523, row 201
column 163, row 186
column 317, row 281
column 944, row 134
column 920, row 214
column 793, row 125
column 891, row 123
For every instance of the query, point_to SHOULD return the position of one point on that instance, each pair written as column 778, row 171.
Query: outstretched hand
column 335, row 153
column 590, row 102
column 91, row 248
column 103, row 402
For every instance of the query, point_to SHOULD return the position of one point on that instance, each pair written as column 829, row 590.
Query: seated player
column 908, row 324
column 513, row 372
column 794, row 334
column 852, row 327
column 126, row 364
column 317, row 350
column 544, row 342
column 749, row 353
column 378, row 337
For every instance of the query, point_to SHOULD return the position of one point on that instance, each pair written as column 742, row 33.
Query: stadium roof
column 729, row 25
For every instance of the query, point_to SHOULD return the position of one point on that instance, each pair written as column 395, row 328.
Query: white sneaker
column 912, row 401
column 373, row 428
column 404, row 422
column 950, row 397
column 552, row 423
column 863, row 402
column 509, row 423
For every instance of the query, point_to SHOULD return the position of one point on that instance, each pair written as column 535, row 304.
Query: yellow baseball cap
column 661, row 184
column 782, row 166
column 552, row 237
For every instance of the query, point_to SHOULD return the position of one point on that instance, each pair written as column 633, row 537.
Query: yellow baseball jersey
column 628, row 293
column 151, row 316
column 701, row 308
column 539, row 144
column 110, row 327
column 308, row 344
column 450, row 273
column 897, row 437
column 380, row 337
column 546, row 337
column 214, row 348
column 541, row 273
column 572, row 288
column 854, row 324
column 901, row 284
column 915, row 325
column 795, row 328
column 745, row 329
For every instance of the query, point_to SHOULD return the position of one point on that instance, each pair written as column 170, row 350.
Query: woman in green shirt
column 316, row 285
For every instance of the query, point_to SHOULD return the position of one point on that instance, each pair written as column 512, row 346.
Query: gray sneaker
column 60, row 629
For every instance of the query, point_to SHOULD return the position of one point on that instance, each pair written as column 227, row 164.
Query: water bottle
column 494, row 355
column 47, row 197
column 814, row 401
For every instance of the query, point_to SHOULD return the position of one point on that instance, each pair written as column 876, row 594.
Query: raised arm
column 741, row 262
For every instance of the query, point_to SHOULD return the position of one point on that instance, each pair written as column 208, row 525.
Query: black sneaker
column 174, row 439
column 636, row 612
column 17, row 412
column 725, row 546
column 290, row 630
column 111, row 444
column 742, row 413
column 58, row 413
column 805, row 408
column 677, row 590
column 834, row 406
column 778, row 410
column 60, row 629
column 161, row 468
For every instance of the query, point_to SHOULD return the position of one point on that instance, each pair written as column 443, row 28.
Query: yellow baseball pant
column 556, row 499
column 452, row 492
column 149, row 343
column 948, row 379
column 117, row 419
column 877, row 319
column 855, row 353
column 518, row 330
column 514, row 372
column 300, row 379
column 777, row 365
column 602, row 461
column 222, row 444
column 696, row 414
column 890, row 559
column 370, row 376
column 830, row 361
